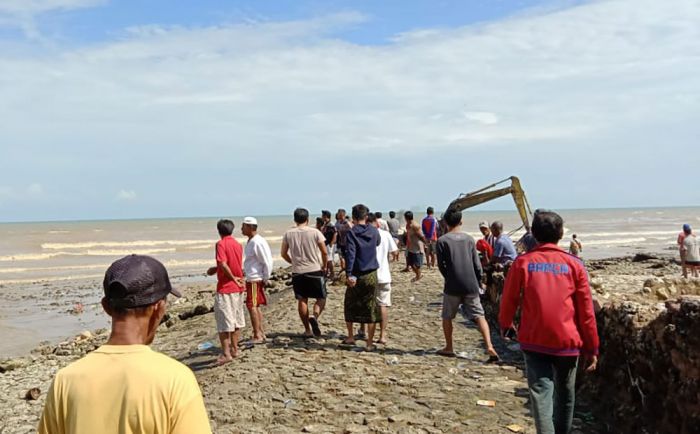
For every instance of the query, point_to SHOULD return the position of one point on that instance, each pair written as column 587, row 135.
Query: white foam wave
column 89, row 252
column 59, row 232
column 137, row 243
column 614, row 242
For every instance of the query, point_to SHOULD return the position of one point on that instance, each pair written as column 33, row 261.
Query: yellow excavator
column 490, row 192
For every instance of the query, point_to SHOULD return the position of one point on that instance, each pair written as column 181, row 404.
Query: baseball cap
column 484, row 225
column 686, row 227
column 250, row 221
column 135, row 281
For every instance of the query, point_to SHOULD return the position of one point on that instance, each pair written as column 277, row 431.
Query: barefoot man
column 415, row 242
column 230, row 291
column 258, row 268
column 459, row 264
column 386, row 247
column 305, row 248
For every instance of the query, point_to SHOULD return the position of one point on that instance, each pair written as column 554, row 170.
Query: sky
column 133, row 109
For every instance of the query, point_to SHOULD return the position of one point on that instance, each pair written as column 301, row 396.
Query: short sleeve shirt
column 303, row 249
column 124, row 389
column 692, row 248
column 229, row 251
column 328, row 231
column 504, row 249
column 386, row 246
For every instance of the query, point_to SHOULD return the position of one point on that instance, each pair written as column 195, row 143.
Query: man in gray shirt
column 459, row 264
column 394, row 225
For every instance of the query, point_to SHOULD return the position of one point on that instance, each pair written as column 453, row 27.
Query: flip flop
column 346, row 343
column 381, row 342
column 493, row 359
column 221, row 360
column 314, row 326
column 444, row 353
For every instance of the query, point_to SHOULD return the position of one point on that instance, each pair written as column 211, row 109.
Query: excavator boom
column 469, row 200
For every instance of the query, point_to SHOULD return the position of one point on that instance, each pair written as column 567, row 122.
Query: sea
column 42, row 259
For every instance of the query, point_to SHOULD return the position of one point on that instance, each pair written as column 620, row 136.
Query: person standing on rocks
column 331, row 236
column 258, row 269
column 360, row 304
column 415, row 241
column 124, row 386
column 503, row 248
column 305, row 248
column 458, row 262
column 575, row 247
column 394, row 225
column 386, row 247
column 691, row 250
column 229, row 304
column 557, row 323
column 429, row 226
column 681, row 237
column 342, row 227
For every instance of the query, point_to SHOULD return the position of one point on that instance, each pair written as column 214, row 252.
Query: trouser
column 552, row 381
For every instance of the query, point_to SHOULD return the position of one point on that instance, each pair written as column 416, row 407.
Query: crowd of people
column 548, row 286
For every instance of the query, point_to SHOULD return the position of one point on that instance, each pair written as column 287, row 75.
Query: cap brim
column 175, row 292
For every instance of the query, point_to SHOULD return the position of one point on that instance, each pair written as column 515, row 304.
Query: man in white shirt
column 383, row 292
column 257, row 266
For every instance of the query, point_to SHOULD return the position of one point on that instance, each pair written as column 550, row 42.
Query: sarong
column 360, row 301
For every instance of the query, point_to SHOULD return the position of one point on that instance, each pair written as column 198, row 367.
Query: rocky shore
column 315, row 385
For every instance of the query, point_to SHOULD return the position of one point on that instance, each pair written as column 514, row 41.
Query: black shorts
column 414, row 259
column 693, row 263
column 309, row 285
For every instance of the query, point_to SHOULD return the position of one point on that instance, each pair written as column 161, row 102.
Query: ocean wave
column 137, row 243
column 59, row 232
column 90, row 252
column 613, row 242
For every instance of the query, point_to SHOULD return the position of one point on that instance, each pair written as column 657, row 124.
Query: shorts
column 330, row 250
column 229, row 312
column 693, row 263
column 309, row 285
column 414, row 259
column 472, row 306
column 255, row 294
column 430, row 246
column 383, row 294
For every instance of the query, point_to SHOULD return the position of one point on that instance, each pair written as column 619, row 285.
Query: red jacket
column 556, row 305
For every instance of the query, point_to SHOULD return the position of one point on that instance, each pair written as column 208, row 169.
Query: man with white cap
column 485, row 245
column 258, row 269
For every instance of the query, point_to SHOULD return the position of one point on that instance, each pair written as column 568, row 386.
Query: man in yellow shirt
column 124, row 387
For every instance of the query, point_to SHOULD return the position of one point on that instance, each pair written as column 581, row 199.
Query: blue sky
column 121, row 109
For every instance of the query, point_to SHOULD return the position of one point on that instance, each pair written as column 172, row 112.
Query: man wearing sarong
column 361, row 266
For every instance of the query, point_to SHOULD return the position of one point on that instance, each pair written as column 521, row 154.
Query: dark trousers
column 552, row 381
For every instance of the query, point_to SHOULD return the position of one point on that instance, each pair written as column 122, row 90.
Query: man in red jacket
column 557, row 322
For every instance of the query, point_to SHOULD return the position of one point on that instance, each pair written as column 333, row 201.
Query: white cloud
column 485, row 118
column 22, row 13
column 571, row 77
column 126, row 195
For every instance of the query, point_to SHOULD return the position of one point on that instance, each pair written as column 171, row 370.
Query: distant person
column 331, row 236
column 124, row 386
column 503, row 248
column 415, row 242
column 691, row 248
column 459, row 264
column 429, row 226
column 526, row 243
column 394, row 226
column 319, row 223
column 575, row 247
column 229, row 304
column 485, row 245
column 305, row 248
column 383, row 225
column 557, row 322
column 681, row 250
column 258, row 269
column 386, row 247
column 360, row 304
column 342, row 227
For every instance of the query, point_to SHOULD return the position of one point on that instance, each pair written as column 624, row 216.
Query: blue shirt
column 504, row 249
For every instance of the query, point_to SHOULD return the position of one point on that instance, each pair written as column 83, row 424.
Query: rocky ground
column 315, row 385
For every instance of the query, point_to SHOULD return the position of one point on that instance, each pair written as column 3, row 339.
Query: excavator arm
column 488, row 193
